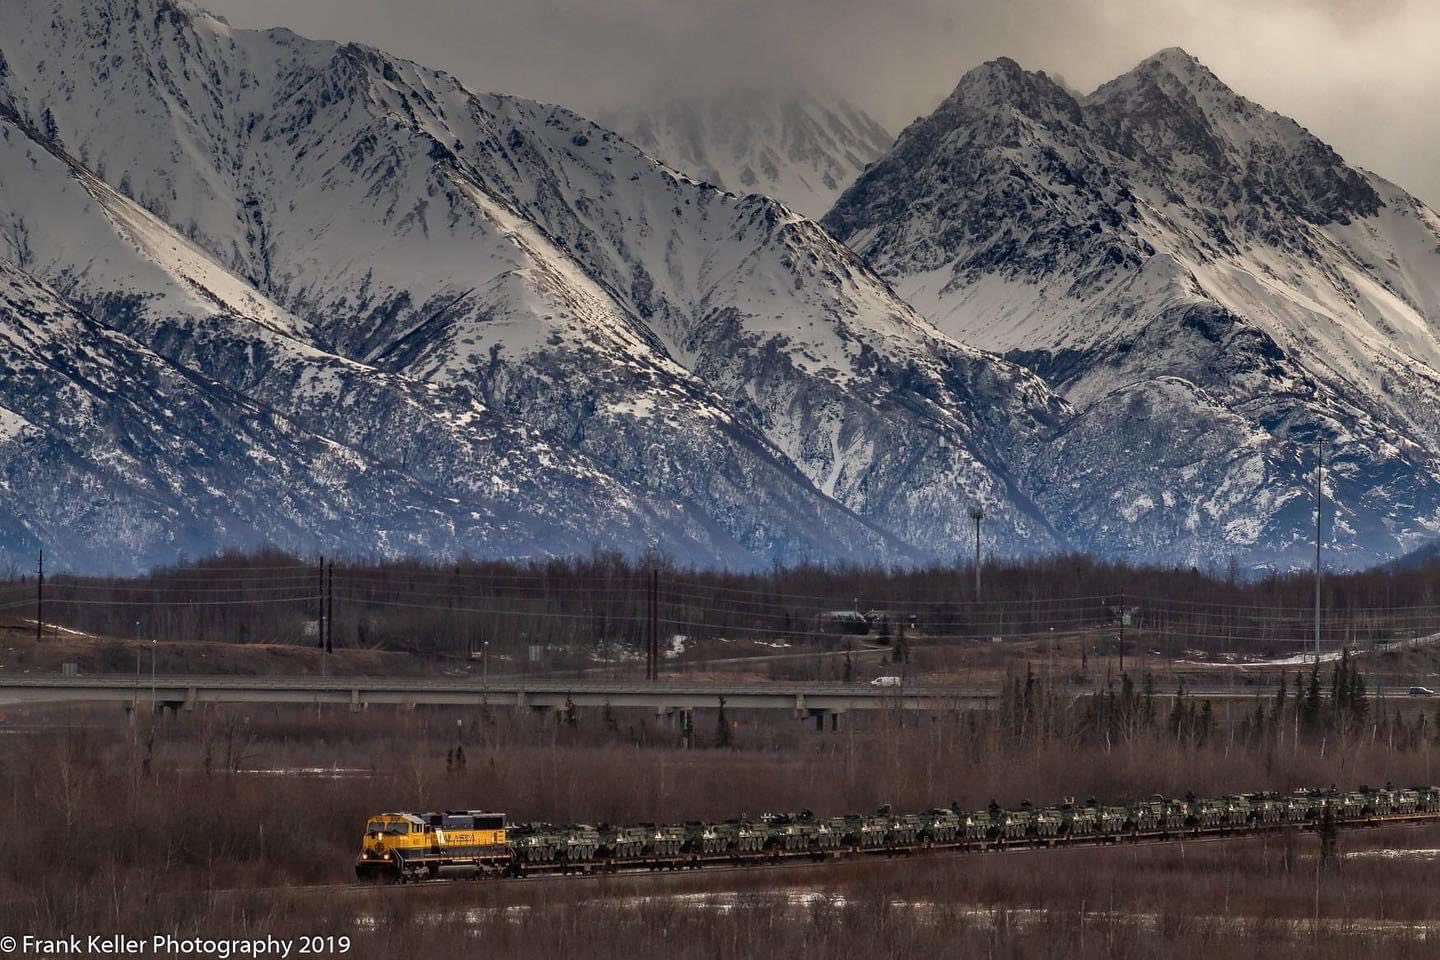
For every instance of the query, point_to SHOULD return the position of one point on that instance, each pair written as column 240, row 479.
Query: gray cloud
column 1359, row 73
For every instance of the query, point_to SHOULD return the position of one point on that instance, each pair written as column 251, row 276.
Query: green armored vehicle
column 738, row 836
column 1265, row 807
column 790, row 831
column 977, row 825
column 581, row 843
column 1112, row 819
column 1047, row 822
column 1146, row 816
column 1237, row 811
column 663, row 841
column 863, row 831
column 940, row 825
column 1208, row 813
column 1078, row 821
column 623, row 843
column 906, row 828
column 1009, row 824
column 537, row 842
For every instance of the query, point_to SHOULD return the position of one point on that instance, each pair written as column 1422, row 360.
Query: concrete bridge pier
column 687, row 727
column 820, row 713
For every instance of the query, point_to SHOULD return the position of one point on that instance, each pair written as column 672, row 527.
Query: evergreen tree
column 1358, row 702
column 722, row 729
column 1129, row 707
column 1177, row 712
column 1339, row 690
column 1310, row 708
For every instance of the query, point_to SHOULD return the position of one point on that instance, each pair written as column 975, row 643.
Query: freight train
column 406, row 847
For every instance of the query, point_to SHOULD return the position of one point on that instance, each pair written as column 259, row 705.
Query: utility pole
column 1319, row 503
column 484, row 672
column 330, row 610
column 321, row 594
column 977, row 515
column 1122, row 634
column 40, row 600
column 652, row 654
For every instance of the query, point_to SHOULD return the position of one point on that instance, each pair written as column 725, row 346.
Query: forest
column 598, row 605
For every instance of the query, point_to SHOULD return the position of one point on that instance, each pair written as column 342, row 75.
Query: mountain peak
column 1175, row 60
column 1171, row 75
column 1001, row 84
column 1173, row 114
column 998, row 76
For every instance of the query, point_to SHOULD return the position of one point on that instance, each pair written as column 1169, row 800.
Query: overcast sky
column 1362, row 74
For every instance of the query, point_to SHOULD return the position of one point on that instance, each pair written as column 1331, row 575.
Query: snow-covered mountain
column 517, row 332
column 800, row 147
column 1209, row 284
column 260, row 288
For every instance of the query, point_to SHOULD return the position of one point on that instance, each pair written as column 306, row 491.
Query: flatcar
column 406, row 847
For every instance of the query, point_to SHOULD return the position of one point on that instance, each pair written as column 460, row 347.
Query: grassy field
column 218, row 822
column 244, row 821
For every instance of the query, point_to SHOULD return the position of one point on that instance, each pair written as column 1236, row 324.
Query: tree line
column 598, row 604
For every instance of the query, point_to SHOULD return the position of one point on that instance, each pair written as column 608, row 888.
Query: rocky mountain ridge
column 1164, row 244
column 563, row 342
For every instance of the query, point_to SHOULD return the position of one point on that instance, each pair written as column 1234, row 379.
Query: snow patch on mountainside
column 803, row 149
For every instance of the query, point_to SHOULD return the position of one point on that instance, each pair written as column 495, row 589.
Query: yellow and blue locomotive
column 414, row 846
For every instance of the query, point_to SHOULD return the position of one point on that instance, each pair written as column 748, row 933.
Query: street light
column 1319, row 505
column 484, row 671
column 154, row 650
column 977, row 515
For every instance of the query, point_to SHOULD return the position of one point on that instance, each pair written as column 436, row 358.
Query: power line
column 183, row 603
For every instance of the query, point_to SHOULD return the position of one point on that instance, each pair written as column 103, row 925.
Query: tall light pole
column 154, row 650
column 40, row 600
column 977, row 515
column 1319, row 503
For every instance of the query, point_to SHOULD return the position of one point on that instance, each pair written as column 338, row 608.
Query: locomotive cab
column 390, row 837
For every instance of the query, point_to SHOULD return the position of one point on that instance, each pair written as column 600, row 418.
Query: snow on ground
column 1326, row 656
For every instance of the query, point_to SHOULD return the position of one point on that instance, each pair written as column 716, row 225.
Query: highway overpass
column 663, row 696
